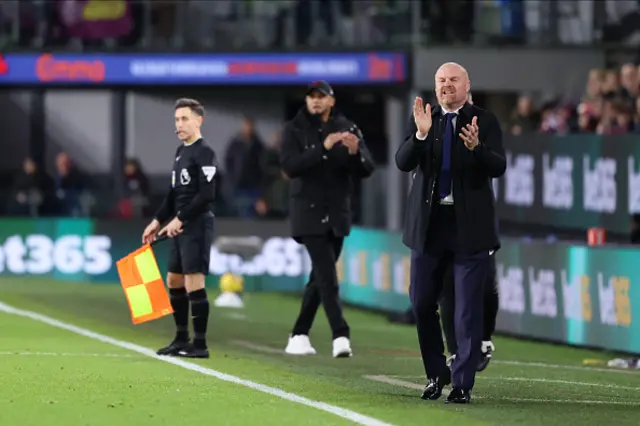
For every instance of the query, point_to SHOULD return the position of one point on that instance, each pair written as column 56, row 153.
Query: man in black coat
column 453, row 151
column 491, row 302
column 322, row 152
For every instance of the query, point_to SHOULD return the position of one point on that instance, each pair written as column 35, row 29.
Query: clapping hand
column 469, row 134
column 332, row 139
column 351, row 142
column 422, row 117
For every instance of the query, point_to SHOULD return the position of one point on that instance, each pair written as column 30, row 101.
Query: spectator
column 244, row 169
column 622, row 122
column 68, row 187
column 136, row 192
column 630, row 82
column 616, row 119
column 594, row 85
column 31, row 190
column 273, row 204
column 524, row 119
column 587, row 120
column 610, row 88
column 555, row 118
column 271, row 159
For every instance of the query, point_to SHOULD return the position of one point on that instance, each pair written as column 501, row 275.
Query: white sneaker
column 342, row 348
column 488, row 347
column 450, row 360
column 299, row 345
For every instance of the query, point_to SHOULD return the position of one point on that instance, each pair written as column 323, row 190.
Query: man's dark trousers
column 427, row 274
column 324, row 251
column 490, row 311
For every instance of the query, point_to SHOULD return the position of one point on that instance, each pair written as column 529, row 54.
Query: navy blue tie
column 444, row 183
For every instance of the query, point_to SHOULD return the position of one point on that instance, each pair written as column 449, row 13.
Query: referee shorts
column 191, row 250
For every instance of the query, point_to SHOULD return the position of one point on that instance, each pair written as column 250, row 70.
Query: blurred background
column 87, row 90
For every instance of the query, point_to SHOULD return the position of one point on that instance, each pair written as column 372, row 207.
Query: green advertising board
column 560, row 292
column 374, row 270
column 587, row 296
column 85, row 250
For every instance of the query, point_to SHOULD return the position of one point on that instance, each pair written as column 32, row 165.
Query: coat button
column 324, row 157
column 312, row 205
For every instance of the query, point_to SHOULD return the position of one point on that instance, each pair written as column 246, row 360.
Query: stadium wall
column 565, row 293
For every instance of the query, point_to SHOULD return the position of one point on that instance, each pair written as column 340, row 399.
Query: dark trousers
column 322, row 287
column 490, row 300
column 427, row 275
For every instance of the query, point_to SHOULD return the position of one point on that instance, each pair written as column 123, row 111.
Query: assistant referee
column 189, row 205
column 322, row 152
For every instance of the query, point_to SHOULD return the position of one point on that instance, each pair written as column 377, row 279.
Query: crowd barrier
column 574, row 181
column 565, row 293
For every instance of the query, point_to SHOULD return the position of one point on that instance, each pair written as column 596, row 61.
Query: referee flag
column 143, row 286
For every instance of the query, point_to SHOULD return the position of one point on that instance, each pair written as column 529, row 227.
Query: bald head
column 452, row 85
column 452, row 66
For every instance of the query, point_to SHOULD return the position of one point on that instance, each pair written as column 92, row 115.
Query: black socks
column 180, row 300
column 200, row 317
column 180, row 305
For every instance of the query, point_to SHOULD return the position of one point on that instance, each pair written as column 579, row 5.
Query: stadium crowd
column 610, row 105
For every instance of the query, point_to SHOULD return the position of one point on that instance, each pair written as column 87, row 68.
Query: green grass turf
column 77, row 388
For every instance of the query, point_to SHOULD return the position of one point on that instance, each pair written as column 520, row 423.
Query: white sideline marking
column 236, row 316
column 564, row 367
column 256, row 347
column 268, row 349
column 551, row 366
column 410, row 385
column 332, row 409
column 27, row 353
column 529, row 379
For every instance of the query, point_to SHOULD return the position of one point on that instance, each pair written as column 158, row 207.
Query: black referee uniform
column 320, row 209
column 190, row 199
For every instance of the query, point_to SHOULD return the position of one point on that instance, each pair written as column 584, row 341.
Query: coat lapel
column 436, row 124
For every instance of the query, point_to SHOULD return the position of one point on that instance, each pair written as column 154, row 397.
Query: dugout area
column 58, row 377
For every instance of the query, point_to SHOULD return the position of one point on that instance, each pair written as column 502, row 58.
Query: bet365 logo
column 280, row 257
column 70, row 254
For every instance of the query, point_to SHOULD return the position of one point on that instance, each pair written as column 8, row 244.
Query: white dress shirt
column 449, row 198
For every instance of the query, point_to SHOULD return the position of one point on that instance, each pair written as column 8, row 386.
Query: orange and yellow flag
column 143, row 286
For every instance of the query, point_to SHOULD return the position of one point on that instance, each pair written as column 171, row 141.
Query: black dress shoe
column 193, row 352
column 434, row 387
column 174, row 347
column 485, row 359
column 458, row 396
